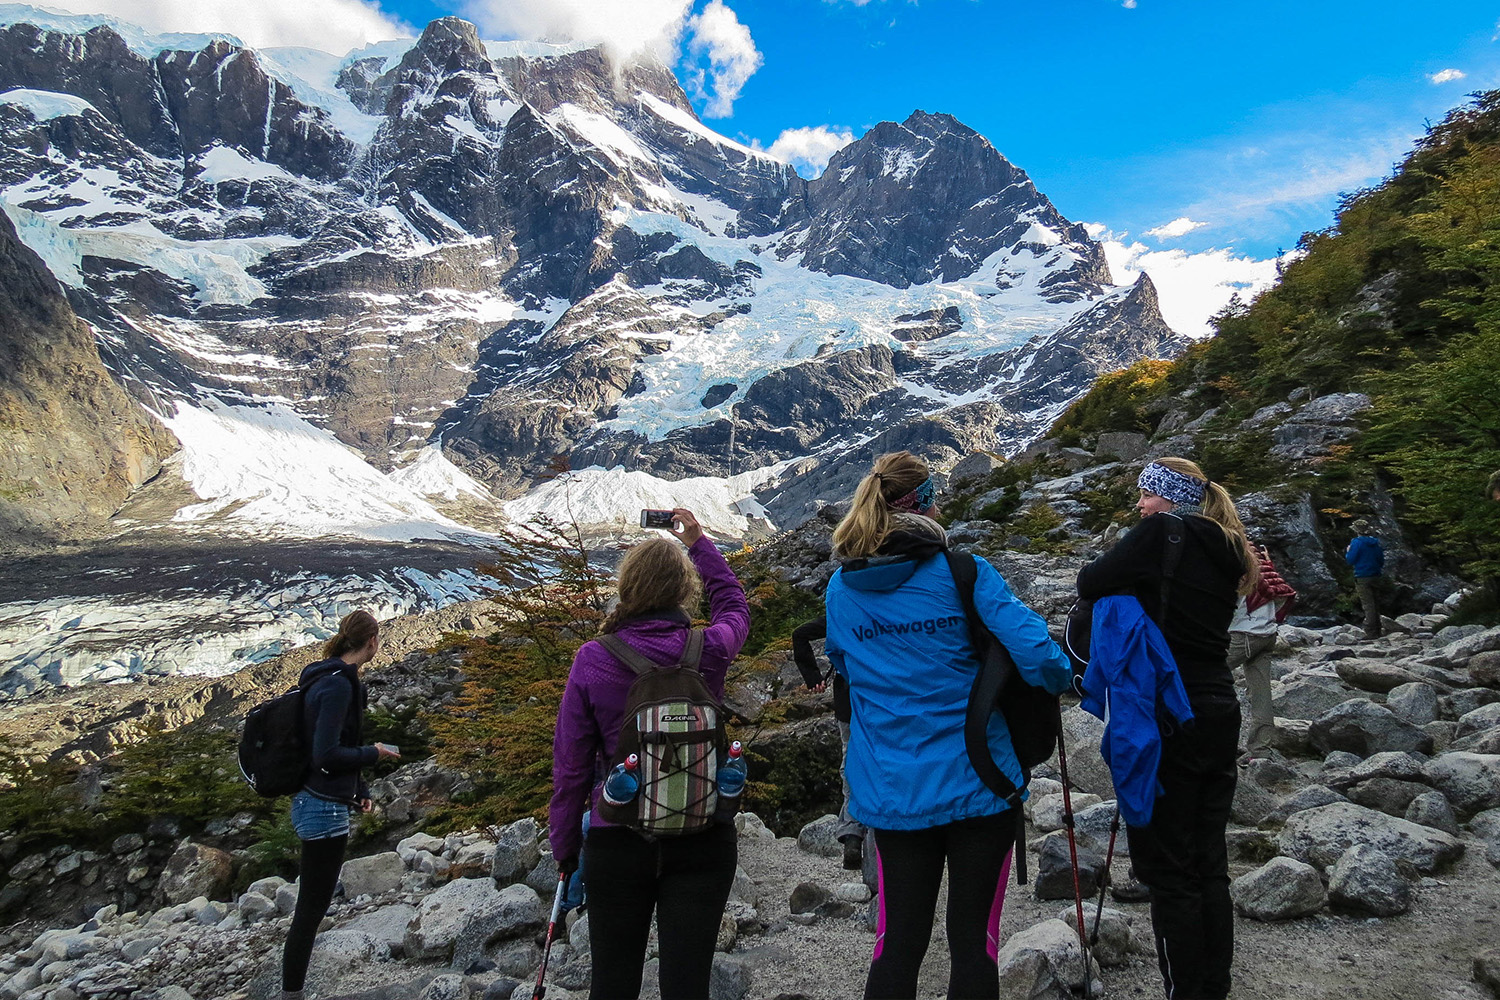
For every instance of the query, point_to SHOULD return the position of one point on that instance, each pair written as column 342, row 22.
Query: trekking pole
column 1083, row 941
column 1109, row 857
column 557, row 901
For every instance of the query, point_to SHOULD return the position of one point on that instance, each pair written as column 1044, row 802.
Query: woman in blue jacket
column 898, row 634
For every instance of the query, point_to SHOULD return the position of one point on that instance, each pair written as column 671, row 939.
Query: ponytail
column 355, row 631
column 1218, row 506
column 863, row 530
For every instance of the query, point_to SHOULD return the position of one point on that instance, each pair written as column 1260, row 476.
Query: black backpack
column 1032, row 714
column 1078, row 627
column 273, row 752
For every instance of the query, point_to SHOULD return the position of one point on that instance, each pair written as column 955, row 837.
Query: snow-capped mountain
column 449, row 261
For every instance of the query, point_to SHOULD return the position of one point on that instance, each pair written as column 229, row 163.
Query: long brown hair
column 656, row 575
column 1218, row 506
column 869, row 521
column 357, row 629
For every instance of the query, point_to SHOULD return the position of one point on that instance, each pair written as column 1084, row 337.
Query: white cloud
column 335, row 26
column 1179, row 226
column 1192, row 286
column 1446, row 76
column 632, row 28
column 1128, row 4
column 732, row 56
column 810, row 149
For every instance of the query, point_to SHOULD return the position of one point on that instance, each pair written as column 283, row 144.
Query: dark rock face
column 72, row 443
column 529, row 248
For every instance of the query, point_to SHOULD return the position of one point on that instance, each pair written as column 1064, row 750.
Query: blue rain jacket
column 1131, row 671
column 1366, row 555
column 898, row 634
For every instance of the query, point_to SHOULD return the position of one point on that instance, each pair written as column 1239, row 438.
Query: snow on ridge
column 600, row 497
column 433, row 475
column 220, row 163
column 139, row 40
column 600, row 132
column 267, row 471
column 676, row 116
column 313, row 76
column 521, row 49
column 46, row 105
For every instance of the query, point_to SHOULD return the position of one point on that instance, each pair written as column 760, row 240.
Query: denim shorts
column 318, row 819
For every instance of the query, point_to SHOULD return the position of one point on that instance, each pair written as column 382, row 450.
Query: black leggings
column 319, row 876
column 977, row 854
column 1182, row 855
column 686, row 880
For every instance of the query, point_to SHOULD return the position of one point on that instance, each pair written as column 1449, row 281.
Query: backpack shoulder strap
column 627, row 654
column 995, row 666
column 1171, row 558
column 692, row 652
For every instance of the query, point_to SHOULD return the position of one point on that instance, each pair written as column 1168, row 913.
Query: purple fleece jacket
column 593, row 704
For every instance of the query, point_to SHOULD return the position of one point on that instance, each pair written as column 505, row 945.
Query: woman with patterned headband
column 898, row 635
column 1181, row 852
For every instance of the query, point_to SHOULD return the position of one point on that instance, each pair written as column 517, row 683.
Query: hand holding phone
column 658, row 519
column 388, row 750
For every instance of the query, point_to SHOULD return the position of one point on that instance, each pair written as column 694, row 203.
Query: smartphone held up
column 664, row 519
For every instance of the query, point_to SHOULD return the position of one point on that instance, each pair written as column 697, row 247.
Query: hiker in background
column 851, row 832
column 1181, row 853
column 898, row 633
column 684, row 879
column 333, row 711
column 1252, row 635
column 1366, row 556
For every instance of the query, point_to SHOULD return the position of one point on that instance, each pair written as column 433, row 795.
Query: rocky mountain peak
column 449, row 47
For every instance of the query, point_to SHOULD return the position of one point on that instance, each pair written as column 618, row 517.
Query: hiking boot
column 854, row 853
column 1131, row 892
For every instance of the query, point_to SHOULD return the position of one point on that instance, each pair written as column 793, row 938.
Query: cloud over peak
column 718, row 35
column 335, row 26
column 809, row 149
column 1177, row 227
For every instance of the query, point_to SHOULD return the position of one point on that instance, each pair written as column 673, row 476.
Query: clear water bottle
column 731, row 777
column 624, row 782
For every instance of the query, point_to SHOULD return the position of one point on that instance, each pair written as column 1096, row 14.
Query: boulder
column 1123, row 446
column 1251, row 803
column 1390, row 795
column 807, row 897
column 1282, row 889
column 1047, row 810
column 1484, row 669
column 1470, row 781
column 820, row 837
column 1053, row 875
column 516, row 853
column 1463, row 701
column 1432, row 809
column 1479, row 720
column 1416, row 702
column 1086, row 768
column 1320, row 837
column 750, row 826
column 1487, row 970
column 1379, row 676
column 373, row 875
column 1486, row 826
column 1365, row 879
column 253, row 906
column 409, row 847
column 975, row 466
column 518, row 957
column 1459, row 653
column 1399, row 765
column 445, row 987
column 1044, row 962
column 1364, row 728
column 729, row 978
column 387, row 925
column 461, row 919
column 1308, row 697
column 1117, row 938
column 1306, row 798
column 195, row 870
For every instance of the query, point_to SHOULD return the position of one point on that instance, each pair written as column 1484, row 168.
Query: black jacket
column 333, row 711
column 1202, row 596
column 807, row 662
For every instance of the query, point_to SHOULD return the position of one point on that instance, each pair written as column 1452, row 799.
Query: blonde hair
column 869, row 521
column 1218, row 506
column 656, row 575
column 355, row 632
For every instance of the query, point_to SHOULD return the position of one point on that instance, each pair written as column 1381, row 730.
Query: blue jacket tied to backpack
column 1131, row 671
column 1366, row 555
column 897, row 632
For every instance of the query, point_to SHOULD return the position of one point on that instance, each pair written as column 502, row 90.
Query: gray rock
column 1460, row 652
column 576, row 974
column 1053, row 875
column 503, row 988
column 1251, row 804
column 1365, row 879
column 1487, row 970
column 729, row 979
column 1047, row 811
column 1389, row 795
column 286, row 897
column 387, row 925
column 372, row 876
column 744, row 889
column 1432, row 809
column 1283, row 889
column 975, row 466
column 1470, row 781
column 195, row 870
column 1416, row 702
column 1449, row 634
column 408, row 847
column 517, row 852
column 751, row 826
column 1484, row 668
column 1307, row 798
column 1479, row 720
column 1124, row 446
column 1364, row 728
column 446, row 987
column 267, row 887
column 1116, row 937
column 1309, row 697
column 253, row 906
column 1465, row 700
column 1486, row 826
column 1258, row 846
column 1338, row 761
column 519, row 958
column 1379, row 676
column 1320, row 837
column 807, row 897
column 1044, row 962
column 461, row 919
column 578, row 934
column 820, row 837
column 1086, row 768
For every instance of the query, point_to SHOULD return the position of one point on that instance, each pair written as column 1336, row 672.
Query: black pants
column 686, row 880
column 318, row 877
column 977, row 855
column 1182, row 855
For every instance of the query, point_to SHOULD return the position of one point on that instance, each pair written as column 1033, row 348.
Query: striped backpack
column 676, row 727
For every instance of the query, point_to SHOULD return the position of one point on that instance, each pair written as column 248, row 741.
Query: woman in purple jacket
column 685, row 880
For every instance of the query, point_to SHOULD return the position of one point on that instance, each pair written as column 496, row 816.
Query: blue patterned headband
column 917, row 500
column 1174, row 486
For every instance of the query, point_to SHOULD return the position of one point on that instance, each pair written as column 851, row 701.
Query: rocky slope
column 512, row 250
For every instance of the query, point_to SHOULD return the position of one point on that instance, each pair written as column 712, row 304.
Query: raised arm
column 802, row 652
column 1134, row 558
column 575, row 744
column 729, row 612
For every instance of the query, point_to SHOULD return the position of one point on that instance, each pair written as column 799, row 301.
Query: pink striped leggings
column 977, row 855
